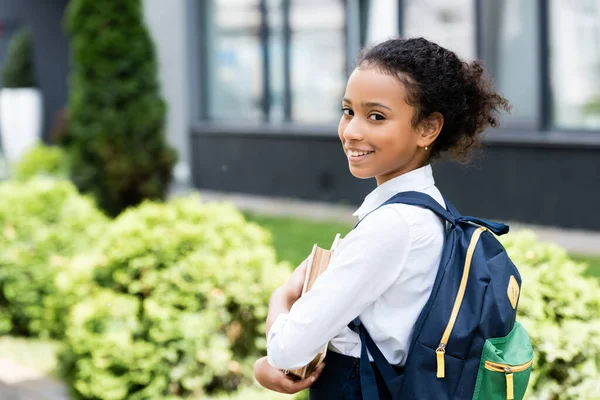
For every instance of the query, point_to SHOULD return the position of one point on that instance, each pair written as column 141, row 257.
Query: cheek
column 341, row 129
column 397, row 140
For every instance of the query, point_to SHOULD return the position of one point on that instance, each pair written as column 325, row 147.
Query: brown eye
column 376, row 117
column 347, row 111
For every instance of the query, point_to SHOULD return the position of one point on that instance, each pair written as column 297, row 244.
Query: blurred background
column 253, row 90
column 129, row 102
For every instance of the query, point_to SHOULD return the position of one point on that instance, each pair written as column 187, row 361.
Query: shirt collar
column 417, row 180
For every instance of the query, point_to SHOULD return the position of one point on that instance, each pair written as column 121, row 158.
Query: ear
column 429, row 129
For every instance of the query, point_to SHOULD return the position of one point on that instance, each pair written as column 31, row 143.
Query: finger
column 320, row 368
column 318, row 371
column 295, row 387
column 298, row 386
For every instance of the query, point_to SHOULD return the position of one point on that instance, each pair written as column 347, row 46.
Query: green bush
column 42, row 160
column 184, row 289
column 560, row 308
column 116, row 113
column 43, row 222
column 18, row 71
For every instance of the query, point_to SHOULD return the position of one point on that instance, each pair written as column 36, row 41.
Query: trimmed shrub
column 42, row 160
column 116, row 113
column 181, row 309
column 560, row 308
column 18, row 71
column 43, row 222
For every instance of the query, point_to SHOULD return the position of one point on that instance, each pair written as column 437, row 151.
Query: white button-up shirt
column 382, row 271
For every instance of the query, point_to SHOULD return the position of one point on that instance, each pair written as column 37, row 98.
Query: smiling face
column 376, row 128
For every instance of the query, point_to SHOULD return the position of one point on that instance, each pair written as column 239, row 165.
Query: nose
column 352, row 131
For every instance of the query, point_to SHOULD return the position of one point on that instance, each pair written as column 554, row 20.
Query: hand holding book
column 276, row 380
column 316, row 263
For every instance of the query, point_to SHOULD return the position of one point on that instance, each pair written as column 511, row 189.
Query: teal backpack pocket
column 505, row 367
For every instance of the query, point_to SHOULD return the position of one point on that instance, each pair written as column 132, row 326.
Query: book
column 318, row 261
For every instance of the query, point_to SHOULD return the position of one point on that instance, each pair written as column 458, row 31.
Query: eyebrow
column 368, row 104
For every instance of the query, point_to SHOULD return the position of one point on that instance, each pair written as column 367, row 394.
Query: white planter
column 20, row 121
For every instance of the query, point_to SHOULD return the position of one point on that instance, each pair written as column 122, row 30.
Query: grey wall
column 546, row 185
column 300, row 166
column 554, row 184
column 51, row 50
column 167, row 22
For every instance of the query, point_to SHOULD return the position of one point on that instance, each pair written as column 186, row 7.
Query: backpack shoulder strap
column 369, row 387
column 450, row 214
column 420, row 199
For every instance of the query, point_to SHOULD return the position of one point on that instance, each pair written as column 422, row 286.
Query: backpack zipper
column 508, row 370
column 441, row 350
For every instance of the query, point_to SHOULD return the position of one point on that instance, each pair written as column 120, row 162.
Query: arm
column 365, row 265
column 285, row 296
column 281, row 302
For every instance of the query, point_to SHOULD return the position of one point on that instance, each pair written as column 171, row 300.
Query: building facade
column 254, row 89
column 269, row 76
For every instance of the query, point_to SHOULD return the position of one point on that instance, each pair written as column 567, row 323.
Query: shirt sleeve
column 366, row 263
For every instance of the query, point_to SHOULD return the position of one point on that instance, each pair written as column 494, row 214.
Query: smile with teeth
column 354, row 153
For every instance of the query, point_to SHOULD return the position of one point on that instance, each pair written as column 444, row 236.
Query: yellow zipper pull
column 441, row 367
column 510, row 392
column 441, row 350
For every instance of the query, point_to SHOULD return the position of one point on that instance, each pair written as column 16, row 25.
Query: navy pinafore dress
column 350, row 378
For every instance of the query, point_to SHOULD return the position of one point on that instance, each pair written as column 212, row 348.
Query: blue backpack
column 466, row 343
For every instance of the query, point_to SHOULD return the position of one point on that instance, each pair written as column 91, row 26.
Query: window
column 382, row 20
column 450, row 23
column 276, row 60
column 235, row 81
column 575, row 63
column 318, row 59
column 510, row 51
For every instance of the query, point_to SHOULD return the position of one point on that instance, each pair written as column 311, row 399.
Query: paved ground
column 21, row 383
column 575, row 241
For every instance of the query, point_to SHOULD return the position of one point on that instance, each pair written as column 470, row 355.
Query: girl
column 408, row 102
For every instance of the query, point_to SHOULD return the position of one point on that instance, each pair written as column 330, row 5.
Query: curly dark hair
column 437, row 80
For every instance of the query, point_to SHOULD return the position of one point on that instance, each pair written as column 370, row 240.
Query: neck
column 381, row 179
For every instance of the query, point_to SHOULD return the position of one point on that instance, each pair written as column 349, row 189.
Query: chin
column 360, row 174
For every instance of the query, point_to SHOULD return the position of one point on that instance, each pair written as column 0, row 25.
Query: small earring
column 426, row 148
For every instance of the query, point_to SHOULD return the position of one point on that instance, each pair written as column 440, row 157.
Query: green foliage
column 42, row 160
column 560, row 308
column 42, row 222
column 180, row 312
column 117, row 116
column 18, row 71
